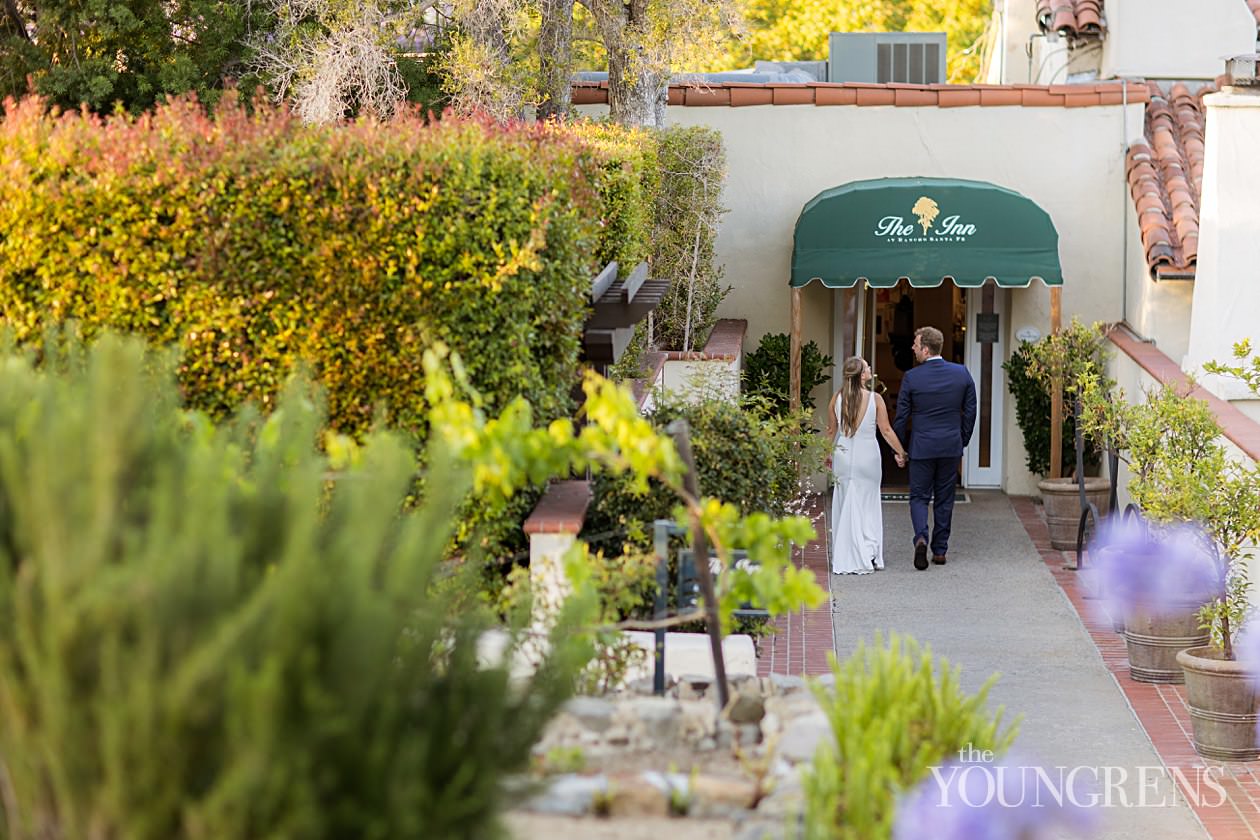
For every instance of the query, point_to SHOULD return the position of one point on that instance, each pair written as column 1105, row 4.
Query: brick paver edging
column 802, row 640
column 1161, row 709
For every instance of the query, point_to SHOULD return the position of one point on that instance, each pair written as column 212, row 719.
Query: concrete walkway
column 995, row 607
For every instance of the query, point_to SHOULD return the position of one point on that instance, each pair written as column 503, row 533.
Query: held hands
column 901, row 459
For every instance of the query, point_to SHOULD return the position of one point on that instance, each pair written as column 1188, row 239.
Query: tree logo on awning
column 951, row 228
column 927, row 211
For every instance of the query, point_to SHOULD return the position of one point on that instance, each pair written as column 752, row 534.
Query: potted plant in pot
column 1070, row 357
column 1182, row 476
column 1156, row 578
column 1221, row 685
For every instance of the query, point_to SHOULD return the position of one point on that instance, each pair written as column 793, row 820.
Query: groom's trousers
column 933, row 480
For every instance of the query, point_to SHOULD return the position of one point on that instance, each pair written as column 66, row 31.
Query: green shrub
column 219, row 632
column 745, row 455
column 255, row 242
column 1032, row 414
column 767, row 371
column 688, row 210
column 1075, row 354
column 895, row 712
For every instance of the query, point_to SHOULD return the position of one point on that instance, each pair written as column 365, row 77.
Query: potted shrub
column 1155, row 578
column 1221, row 686
column 1181, row 474
column 1070, row 357
column 1218, row 686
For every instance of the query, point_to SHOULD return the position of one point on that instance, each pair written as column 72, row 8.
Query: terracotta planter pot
column 1222, row 705
column 1062, row 500
column 1156, row 641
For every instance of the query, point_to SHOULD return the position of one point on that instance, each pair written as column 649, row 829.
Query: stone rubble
column 774, row 723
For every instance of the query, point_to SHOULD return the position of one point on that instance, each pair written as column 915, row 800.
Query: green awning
column 926, row 230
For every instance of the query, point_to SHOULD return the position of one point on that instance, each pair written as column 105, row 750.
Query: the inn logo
column 926, row 210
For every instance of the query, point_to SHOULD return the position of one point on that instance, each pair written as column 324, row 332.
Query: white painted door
column 985, row 353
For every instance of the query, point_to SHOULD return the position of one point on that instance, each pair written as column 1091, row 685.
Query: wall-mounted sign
column 987, row 327
column 1028, row 334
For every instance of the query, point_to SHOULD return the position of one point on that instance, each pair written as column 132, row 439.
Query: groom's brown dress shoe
column 920, row 556
column 938, row 559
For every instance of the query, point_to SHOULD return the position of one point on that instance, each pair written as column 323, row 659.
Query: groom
column 938, row 399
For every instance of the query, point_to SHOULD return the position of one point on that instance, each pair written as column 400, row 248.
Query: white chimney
column 1227, row 278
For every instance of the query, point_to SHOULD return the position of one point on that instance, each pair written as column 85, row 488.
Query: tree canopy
column 797, row 30
column 502, row 55
column 133, row 52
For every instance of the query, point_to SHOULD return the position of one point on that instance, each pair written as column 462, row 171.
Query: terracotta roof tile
column 906, row 96
column 836, row 95
column 707, row 95
column 1085, row 18
column 792, row 95
column 1001, row 96
column 1166, row 177
column 915, row 96
column 751, row 95
column 958, row 98
column 1072, row 18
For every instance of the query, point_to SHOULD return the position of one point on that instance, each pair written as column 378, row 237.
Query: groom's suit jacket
column 938, row 399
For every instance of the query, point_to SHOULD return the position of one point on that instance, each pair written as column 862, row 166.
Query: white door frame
column 975, row 475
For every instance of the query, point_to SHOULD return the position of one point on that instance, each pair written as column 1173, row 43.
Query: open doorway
column 892, row 316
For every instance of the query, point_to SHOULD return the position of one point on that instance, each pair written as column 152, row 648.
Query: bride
column 857, row 520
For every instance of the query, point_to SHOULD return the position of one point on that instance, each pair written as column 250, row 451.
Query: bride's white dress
column 857, row 520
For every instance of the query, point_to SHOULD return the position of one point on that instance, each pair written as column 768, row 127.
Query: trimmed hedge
column 256, row 243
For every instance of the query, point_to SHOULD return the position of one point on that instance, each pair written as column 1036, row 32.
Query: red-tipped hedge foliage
column 255, row 242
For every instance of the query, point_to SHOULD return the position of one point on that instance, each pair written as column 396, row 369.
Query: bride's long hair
column 851, row 394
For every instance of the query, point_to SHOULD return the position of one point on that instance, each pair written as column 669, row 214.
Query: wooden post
column 1056, row 390
column 794, row 374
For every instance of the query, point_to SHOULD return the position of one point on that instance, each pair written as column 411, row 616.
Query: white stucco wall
column 1070, row 161
column 1021, row 28
column 1158, row 310
column 1175, row 39
column 1048, row 64
column 693, row 379
column 1226, row 287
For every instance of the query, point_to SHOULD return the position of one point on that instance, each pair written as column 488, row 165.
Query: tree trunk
column 632, row 95
column 17, row 23
column 555, row 52
column 636, row 90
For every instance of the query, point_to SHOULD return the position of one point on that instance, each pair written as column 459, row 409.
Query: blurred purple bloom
column 995, row 801
column 1247, row 652
column 1159, row 571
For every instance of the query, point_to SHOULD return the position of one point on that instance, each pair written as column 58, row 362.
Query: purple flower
column 1247, row 652
column 1159, row 570
column 995, row 801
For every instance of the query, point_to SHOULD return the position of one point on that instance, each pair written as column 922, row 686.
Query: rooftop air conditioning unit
column 916, row 58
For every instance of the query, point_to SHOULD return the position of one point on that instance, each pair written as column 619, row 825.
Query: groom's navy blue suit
column 938, row 399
